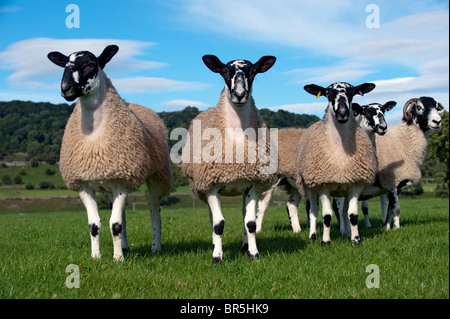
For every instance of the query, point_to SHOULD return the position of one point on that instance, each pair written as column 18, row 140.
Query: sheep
column 401, row 152
column 233, row 123
column 335, row 157
column 110, row 145
column 371, row 118
column 287, row 141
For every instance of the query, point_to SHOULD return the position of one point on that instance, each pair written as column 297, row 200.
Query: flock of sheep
column 114, row 146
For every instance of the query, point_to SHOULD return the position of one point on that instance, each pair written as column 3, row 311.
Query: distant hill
column 37, row 128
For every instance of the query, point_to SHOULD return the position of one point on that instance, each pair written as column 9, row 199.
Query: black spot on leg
column 218, row 229
column 251, row 225
column 327, row 220
column 247, row 190
column 365, row 210
column 93, row 229
column 353, row 219
column 116, row 229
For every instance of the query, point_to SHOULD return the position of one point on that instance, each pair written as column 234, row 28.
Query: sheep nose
column 438, row 123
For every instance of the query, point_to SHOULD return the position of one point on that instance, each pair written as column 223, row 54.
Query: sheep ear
column 213, row 63
column 264, row 64
column 107, row 55
column 357, row 109
column 58, row 58
column 364, row 88
column 389, row 105
column 315, row 89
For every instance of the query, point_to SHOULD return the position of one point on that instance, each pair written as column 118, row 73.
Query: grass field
column 413, row 261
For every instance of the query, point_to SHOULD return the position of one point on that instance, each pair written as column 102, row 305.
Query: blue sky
column 161, row 43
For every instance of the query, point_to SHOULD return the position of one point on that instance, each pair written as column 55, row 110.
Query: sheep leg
column 292, row 209
column 393, row 210
column 116, row 220
column 249, row 214
column 365, row 210
column 313, row 210
column 383, row 201
column 217, row 223
column 155, row 216
column 87, row 197
column 124, row 228
column 338, row 207
column 324, row 196
column 263, row 203
column 353, row 197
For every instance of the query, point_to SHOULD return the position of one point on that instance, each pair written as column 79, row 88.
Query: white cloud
column 179, row 104
column 146, row 84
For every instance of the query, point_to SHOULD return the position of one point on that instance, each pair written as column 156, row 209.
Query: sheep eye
column 419, row 108
column 440, row 107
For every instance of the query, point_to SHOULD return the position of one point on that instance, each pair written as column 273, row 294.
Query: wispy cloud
column 179, row 104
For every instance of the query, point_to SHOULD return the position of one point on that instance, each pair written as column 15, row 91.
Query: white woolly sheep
column 221, row 169
column 371, row 118
column 335, row 157
column 110, row 145
column 401, row 152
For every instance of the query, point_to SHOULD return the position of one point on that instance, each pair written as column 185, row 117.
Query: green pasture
column 36, row 248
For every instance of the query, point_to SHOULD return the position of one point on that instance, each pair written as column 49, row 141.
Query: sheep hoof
column 253, row 257
column 217, row 260
column 313, row 237
column 356, row 241
column 326, row 242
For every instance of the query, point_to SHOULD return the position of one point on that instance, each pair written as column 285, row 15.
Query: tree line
column 37, row 129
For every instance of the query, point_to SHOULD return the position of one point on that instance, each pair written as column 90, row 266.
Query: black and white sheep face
column 425, row 111
column 238, row 76
column 373, row 116
column 81, row 71
column 340, row 96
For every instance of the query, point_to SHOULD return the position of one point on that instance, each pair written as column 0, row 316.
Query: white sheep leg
column 365, row 210
column 353, row 196
column 383, row 203
column 263, row 203
column 292, row 210
column 116, row 220
column 313, row 211
column 249, row 214
column 87, row 197
column 124, row 224
column 217, row 223
column 324, row 196
column 155, row 215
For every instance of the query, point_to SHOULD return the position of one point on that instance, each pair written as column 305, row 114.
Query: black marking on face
column 251, row 225
column 80, row 72
column 116, row 229
column 425, row 112
column 218, row 229
column 93, row 229
column 239, row 75
column 340, row 96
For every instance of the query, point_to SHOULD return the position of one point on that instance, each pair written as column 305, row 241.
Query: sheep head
column 340, row 96
column 81, row 70
column 238, row 76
